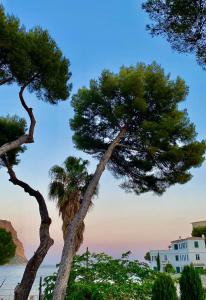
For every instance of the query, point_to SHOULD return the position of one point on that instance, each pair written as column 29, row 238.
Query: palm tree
column 67, row 187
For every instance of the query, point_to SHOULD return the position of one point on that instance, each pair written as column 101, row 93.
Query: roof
column 159, row 250
column 203, row 221
column 187, row 239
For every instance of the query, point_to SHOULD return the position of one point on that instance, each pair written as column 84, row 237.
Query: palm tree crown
column 67, row 187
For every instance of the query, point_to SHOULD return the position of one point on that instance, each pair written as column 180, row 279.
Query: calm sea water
column 11, row 275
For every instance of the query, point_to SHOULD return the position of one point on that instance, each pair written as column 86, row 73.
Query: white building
column 181, row 252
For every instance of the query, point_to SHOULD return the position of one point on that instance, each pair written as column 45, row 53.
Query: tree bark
column 69, row 244
column 23, row 289
column 27, row 138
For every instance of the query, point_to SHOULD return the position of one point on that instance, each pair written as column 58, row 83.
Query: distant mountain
column 19, row 257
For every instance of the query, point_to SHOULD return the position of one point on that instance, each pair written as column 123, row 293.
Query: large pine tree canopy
column 182, row 22
column 159, row 146
column 32, row 57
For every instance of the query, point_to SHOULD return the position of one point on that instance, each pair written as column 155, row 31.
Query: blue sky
column 96, row 35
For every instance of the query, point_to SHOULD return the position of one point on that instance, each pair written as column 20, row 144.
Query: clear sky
column 98, row 34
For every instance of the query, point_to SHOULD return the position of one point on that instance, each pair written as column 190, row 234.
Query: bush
column 164, row 288
column 99, row 276
column 191, row 285
column 169, row 269
column 7, row 247
column 82, row 292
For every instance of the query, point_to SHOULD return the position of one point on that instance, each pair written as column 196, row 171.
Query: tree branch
column 23, row 289
column 2, row 283
column 27, row 138
column 6, row 80
column 127, row 147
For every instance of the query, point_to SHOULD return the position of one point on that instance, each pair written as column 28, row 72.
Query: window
column 165, row 257
column 178, row 269
column 176, row 246
column 177, row 257
column 196, row 244
column 197, row 257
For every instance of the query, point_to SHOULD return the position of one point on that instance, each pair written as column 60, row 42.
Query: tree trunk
column 23, row 289
column 26, row 138
column 69, row 244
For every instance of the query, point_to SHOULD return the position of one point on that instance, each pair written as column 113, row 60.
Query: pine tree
column 182, row 22
column 131, row 122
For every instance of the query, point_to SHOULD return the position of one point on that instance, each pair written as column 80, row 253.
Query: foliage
column 190, row 284
column 107, row 277
column 11, row 128
column 159, row 145
column 182, row 22
column 164, row 288
column 199, row 231
column 147, row 256
column 169, row 268
column 72, row 177
column 158, row 262
column 82, row 292
column 68, row 184
column 7, row 247
column 32, row 58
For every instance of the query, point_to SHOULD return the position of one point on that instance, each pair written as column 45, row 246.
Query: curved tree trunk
column 23, row 289
column 26, row 138
column 69, row 245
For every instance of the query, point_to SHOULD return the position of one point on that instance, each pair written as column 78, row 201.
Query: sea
column 10, row 276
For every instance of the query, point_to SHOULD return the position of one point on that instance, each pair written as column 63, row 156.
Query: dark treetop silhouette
column 182, row 22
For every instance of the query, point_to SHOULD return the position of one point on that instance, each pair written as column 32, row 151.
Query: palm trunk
column 23, row 289
column 69, row 244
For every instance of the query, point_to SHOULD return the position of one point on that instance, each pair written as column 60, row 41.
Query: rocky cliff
column 19, row 257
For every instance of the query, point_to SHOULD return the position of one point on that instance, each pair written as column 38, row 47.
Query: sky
column 97, row 35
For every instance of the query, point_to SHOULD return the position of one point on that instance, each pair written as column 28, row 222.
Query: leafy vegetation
column 67, row 186
column 199, row 231
column 103, row 277
column 147, row 256
column 132, row 123
column 164, row 288
column 191, row 285
column 7, row 246
column 158, row 146
column 158, row 262
column 182, row 22
column 169, row 268
column 29, row 59
column 11, row 128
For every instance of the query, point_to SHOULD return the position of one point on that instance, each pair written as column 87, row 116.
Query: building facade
column 181, row 252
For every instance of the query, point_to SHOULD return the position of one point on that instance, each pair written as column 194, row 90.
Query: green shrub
column 191, row 285
column 169, row 269
column 82, row 292
column 7, row 247
column 164, row 288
